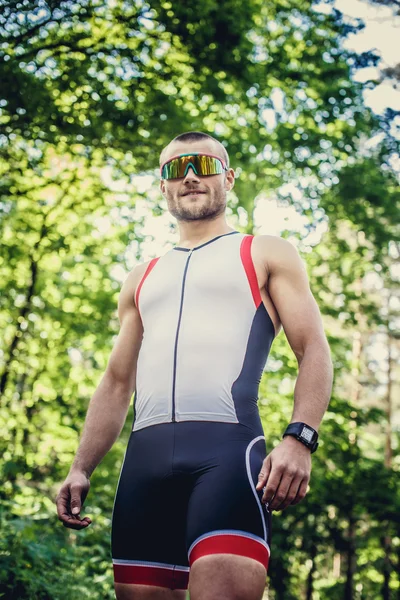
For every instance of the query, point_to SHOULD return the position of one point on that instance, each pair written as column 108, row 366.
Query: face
column 193, row 197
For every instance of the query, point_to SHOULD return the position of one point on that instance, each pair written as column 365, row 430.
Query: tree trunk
column 398, row 571
column 21, row 318
column 386, row 540
column 310, row 578
column 34, row 257
column 388, row 399
column 351, row 558
column 280, row 581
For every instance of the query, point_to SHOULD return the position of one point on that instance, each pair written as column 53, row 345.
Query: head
column 194, row 197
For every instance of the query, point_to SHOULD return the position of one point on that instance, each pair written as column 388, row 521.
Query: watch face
column 307, row 434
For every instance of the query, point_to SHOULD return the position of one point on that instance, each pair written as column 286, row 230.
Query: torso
column 205, row 320
column 258, row 253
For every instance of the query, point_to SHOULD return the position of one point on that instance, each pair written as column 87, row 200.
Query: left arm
column 287, row 469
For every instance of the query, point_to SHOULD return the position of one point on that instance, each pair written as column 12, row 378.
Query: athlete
column 197, row 487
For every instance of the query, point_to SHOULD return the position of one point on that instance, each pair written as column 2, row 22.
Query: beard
column 199, row 209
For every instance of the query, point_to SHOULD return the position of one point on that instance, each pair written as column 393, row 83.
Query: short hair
column 194, row 136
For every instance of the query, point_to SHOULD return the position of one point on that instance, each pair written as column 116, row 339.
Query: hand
column 70, row 499
column 285, row 473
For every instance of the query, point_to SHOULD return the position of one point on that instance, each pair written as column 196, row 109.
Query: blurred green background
column 90, row 92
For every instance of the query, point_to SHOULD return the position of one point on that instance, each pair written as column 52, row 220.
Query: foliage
column 41, row 561
column 91, row 93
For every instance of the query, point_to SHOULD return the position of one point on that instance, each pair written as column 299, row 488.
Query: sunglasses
column 202, row 164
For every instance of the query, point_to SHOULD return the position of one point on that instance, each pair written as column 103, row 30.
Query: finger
column 281, row 491
column 302, row 491
column 62, row 502
column 76, row 494
column 68, row 519
column 264, row 473
column 272, row 484
column 74, row 523
column 290, row 494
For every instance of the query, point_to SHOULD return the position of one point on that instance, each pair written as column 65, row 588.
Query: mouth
column 193, row 193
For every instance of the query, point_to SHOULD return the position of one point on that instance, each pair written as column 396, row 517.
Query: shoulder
column 274, row 241
column 277, row 252
column 135, row 275
column 129, row 287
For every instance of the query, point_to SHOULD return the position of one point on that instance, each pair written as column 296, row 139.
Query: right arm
column 108, row 407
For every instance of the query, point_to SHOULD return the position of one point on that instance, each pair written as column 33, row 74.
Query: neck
column 196, row 238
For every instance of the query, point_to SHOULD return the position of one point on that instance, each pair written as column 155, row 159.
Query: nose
column 191, row 175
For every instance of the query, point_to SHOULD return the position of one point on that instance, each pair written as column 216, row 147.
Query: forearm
column 313, row 387
column 104, row 420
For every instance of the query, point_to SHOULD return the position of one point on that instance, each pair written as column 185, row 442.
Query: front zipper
column 177, row 334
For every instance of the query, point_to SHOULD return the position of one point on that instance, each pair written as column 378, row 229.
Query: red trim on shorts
column 230, row 544
column 245, row 254
column 150, row 266
column 148, row 575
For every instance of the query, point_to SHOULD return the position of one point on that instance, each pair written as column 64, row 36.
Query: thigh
column 149, row 517
column 225, row 513
column 227, row 577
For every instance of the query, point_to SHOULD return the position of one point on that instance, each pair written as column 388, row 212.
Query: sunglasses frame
column 223, row 163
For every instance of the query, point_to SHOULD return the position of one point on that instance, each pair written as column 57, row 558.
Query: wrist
column 304, row 434
column 78, row 470
column 291, row 440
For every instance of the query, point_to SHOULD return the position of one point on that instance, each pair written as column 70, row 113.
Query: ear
column 162, row 186
column 229, row 179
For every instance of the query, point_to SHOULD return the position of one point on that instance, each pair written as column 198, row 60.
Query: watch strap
column 304, row 433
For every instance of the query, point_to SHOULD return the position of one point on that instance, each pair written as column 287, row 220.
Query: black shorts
column 187, row 490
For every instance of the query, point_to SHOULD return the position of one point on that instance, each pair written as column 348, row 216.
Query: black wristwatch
column 304, row 433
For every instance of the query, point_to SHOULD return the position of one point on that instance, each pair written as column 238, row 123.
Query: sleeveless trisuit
column 187, row 486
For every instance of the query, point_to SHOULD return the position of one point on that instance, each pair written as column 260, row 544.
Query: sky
column 382, row 32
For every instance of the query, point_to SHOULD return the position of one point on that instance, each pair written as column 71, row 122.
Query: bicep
column 290, row 292
column 123, row 358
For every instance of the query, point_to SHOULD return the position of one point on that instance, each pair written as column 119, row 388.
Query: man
column 196, row 489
